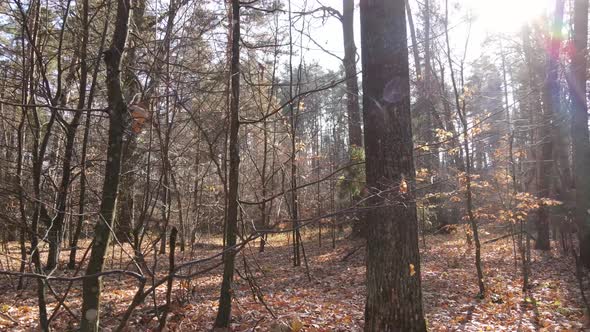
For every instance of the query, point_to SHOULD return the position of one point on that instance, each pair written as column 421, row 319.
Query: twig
column 352, row 252
column 7, row 316
column 503, row 237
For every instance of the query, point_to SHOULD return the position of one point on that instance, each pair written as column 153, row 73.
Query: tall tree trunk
column 394, row 295
column 56, row 232
column 91, row 286
column 550, row 105
column 262, row 223
column 39, row 147
column 82, row 196
column 21, row 143
column 355, row 132
column 294, row 112
column 126, row 205
column 579, row 128
column 425, row 110
column 224, row 311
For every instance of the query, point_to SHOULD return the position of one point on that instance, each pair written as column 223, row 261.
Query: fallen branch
column 7, row 316
column 503, row 237
column 352, row 252
column 57, row 278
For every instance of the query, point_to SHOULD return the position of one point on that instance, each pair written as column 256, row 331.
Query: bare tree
column 92, row 285
column 225, row 298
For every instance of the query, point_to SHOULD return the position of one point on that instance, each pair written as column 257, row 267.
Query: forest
column 294, row 165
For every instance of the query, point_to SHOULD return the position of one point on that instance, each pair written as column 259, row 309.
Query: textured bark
column 224, row 311
column 550, row 105
column 125, row 218
column 91, row 287
column 580, row 138
column 394, row 296
column 355, row 132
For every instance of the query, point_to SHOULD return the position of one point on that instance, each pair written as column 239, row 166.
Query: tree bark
column 394, row 295
column 579, row 129
column 224, row 311
column 91, row 287
column 355, row 132
column 550, row 105
column 294, row 112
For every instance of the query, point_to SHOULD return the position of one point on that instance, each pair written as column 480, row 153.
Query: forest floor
column 332, row 297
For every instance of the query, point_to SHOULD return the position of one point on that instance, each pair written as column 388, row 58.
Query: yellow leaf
column 455, row 199
column 296, row 325
column 412, row 270
column 403, row 187
column 424, row 148
column 24, row 309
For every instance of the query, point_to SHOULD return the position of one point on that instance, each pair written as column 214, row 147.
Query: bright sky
column 490, row 16
column 327, row 34
column 506, row 16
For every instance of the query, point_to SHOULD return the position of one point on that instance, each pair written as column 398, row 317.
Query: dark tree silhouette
column 224, row 312
column 580, row 140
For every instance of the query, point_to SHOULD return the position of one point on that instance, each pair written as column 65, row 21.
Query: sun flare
column 507, row 16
